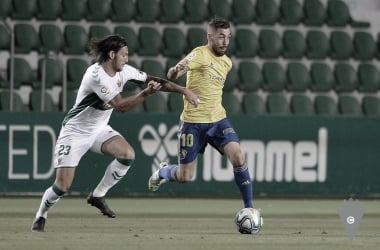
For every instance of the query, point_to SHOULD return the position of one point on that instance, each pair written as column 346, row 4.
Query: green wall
column 287, row 155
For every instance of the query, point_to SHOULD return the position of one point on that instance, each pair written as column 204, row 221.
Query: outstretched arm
column 178, row 70
column 169, row 86
column 122, row 104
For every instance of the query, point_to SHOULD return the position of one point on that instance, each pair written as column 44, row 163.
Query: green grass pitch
column 173, row 223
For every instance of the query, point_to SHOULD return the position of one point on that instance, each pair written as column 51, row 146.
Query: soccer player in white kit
column 85, row 126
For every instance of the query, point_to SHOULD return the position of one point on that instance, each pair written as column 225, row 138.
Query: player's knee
column 127, row 153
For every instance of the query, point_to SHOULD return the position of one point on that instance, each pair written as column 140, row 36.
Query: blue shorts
column 194, row 137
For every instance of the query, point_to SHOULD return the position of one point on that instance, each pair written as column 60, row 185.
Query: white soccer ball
column 249, row 221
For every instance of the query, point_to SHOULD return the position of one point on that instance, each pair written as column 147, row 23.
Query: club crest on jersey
column 119, row 83
column 105, row 90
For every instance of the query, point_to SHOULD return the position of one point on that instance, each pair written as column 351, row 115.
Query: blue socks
column 168, row 172
column 241, row 174
column 243, row 181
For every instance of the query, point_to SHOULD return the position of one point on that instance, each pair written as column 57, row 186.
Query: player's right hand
column 152, row 87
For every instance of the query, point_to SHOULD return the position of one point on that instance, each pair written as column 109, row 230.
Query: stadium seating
column 50, row 71
column 5, row 9
column 253, row 104
column 40, row 101
column 267, row 12
column 243, row 12
column 338, row 15
column 175, row 102
column 371, row 105
column 196, row 37
column 76, row 39
column 150, row 43
column 130, row 35
column 291, row 12
column 270, row 44
column 196, row 11
column 349, row 105
column 231, row 47
column 231, row 103
column 23, row 9
column 291, row 47
column 171, row 11
column 318, row 45
column 71, row 95
column 23, row 74
column 98, row 31
column 122, row 10
column 274, row 77
column 221, row 8
column 98, row 10
column 301, row 105
column 51, row 38
column 153, row 67
column 75, row 68
column 48, row 10
column 174, row 42
column 246, row 43
column 250, row 76
column 314, row 13
column 325, row 105
column 294, row 44
column 231, row 81
column 155, row 104
column 368, row 78
column 18, row 105
column 322, row 78
column 364, row 46
column 74, row 10
column 298, row 76
column 26, row 38
column 277, row 104
column 345, row 78
column 5, row 38
column 341, row 45
column 147, row 11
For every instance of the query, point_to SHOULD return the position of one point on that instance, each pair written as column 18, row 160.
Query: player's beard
column 116, row 66
column 218, row 51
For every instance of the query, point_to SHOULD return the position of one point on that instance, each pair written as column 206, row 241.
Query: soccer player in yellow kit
column 207, row 68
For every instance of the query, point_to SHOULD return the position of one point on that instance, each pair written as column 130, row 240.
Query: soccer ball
column 248, row 221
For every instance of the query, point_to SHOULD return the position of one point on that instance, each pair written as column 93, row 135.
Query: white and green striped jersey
column 91, row 110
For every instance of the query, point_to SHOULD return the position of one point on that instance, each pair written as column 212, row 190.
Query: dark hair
column 101, row 47
column 218, row 23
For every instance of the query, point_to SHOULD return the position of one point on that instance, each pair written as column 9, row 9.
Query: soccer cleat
column 100, row 203
column 155, row 181
column 38, row 224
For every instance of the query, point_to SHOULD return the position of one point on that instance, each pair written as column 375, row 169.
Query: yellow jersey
column 205, row 77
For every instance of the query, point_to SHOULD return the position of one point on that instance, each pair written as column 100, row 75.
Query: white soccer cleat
column 155, row 181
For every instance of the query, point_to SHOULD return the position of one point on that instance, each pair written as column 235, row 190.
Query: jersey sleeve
column 194, row 59
column 130, row 73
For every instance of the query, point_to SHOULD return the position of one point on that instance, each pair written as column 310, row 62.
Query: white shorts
column 71, row 147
